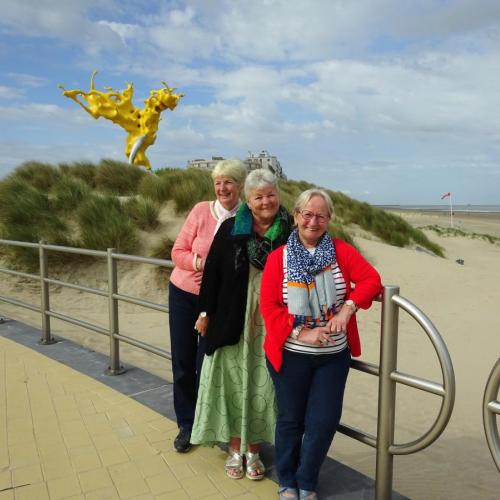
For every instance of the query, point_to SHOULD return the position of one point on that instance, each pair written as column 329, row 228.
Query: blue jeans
column 309, row 392
column 188, row 349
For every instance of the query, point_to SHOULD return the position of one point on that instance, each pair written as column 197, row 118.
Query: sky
column 388, row 101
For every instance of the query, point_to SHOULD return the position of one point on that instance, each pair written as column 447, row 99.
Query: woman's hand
column 339, row 322
column 201, row 325
column 198, row 276
column 319, row 335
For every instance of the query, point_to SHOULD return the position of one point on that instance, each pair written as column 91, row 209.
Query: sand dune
column 461, row 300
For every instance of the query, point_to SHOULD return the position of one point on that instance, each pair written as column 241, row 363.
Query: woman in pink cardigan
column 188, row 254
column 310, row 291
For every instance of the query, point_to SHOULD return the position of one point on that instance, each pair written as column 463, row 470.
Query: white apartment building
column 253, row 161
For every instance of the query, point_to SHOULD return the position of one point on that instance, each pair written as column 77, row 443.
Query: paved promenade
column 65, row 435
column 68, row 431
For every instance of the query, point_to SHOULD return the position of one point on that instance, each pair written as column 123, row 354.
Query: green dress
column 236, row 394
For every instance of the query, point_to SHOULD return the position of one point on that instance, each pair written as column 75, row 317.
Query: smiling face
column 227, row 191
column 312, row 221
column 263, row 203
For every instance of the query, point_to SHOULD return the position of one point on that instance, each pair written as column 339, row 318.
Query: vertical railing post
column 44, row 299
column 386, row 394
column 114, row 344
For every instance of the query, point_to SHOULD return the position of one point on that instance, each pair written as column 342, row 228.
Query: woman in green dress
column 236, row 402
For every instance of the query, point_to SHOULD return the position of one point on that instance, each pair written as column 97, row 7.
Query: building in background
column 253, row 162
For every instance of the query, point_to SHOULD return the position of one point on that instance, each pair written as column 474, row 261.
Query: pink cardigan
column 355, row 269
column 193, row 241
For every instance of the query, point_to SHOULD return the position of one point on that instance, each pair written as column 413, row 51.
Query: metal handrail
column 491, row 408
column 386, row 371
column 447, row 391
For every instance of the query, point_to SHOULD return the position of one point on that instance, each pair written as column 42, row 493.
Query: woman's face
column 312, row 221
column 227, row 191
column 264, row 203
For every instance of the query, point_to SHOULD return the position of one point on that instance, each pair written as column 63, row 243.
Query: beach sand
column 461, row 300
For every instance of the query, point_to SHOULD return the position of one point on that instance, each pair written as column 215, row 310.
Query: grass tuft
column 143, row 211
column 163, row 249
column 104, row 224
column 119, row 178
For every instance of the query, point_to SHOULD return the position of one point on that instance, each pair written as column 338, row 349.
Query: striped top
column 338, row 341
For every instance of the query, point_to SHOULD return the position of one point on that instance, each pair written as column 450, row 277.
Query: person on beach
column 308, row 303
column 189, row 254
column 236, row 402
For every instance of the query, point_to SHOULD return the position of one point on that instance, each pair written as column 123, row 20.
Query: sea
column 446, row 207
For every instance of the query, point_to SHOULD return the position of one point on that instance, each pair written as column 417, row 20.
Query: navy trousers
column 188, row 349
column 309, row 392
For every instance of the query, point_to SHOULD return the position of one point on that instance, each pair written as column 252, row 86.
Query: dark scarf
column 259, row 248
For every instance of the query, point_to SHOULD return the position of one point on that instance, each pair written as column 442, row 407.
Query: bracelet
column 296, row 332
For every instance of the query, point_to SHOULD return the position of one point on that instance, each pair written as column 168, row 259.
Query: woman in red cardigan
column 311, row 289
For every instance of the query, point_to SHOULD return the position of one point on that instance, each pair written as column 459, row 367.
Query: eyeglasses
column 308, row 216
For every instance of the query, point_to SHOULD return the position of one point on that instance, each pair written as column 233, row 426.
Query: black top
column 223, row 292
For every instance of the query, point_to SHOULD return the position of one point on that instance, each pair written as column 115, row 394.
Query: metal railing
column 491, row 408
column 388, row 377
column 386, row 371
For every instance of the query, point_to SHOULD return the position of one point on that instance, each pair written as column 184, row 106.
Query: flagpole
column 451, row 211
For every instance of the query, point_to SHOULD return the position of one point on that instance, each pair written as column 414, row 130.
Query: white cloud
column 27, row 80
column 10, row 92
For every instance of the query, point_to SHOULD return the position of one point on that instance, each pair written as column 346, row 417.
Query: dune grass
column 453, row 231
column 102, row 205
column 143, row 211
column 104, row 223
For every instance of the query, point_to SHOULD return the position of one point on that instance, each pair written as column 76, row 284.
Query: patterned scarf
column 311, row 287
column 222, row 214
column 259, row 248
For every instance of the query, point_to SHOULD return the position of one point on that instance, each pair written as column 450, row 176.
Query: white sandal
column 234, row 465
column 255, row 467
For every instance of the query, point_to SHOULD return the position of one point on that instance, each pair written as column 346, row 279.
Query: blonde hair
column 305, row 197
column 230, row 168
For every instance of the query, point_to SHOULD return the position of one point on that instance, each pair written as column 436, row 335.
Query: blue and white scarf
column 311, row 286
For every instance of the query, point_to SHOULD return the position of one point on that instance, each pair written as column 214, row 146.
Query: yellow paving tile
column 150, row 466
column 5, row 480
column 131, row 488
column 32, row 492
column 112, row 456
column 56, row 467
column 23, row 454
column 174, row 495
column 104, row 494
column 162, row 483
column 31, row 474
column 66, row 436
column 103, row 441
column 201, row 487
column 263, row 489
column 86, row 461
column 63, row 487
column 228, row 487
column 96, row 479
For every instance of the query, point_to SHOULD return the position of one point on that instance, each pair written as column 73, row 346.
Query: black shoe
column 181, row 443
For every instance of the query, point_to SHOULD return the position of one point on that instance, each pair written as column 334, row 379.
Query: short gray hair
column 305, row 197
column 230, row 168
column 259, row 178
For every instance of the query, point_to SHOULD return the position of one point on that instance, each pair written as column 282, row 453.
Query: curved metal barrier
column 386, row 371
column 491, row 408
column 388, row 377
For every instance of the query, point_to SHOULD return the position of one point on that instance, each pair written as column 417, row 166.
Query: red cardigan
column 279, row 322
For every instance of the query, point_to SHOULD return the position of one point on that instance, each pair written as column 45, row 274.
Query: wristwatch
column 296, row 332
column 352, row 305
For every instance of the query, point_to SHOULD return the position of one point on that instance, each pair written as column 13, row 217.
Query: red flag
column 445, row 195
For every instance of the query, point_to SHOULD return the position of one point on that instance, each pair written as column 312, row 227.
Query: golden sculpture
column 141, row 125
